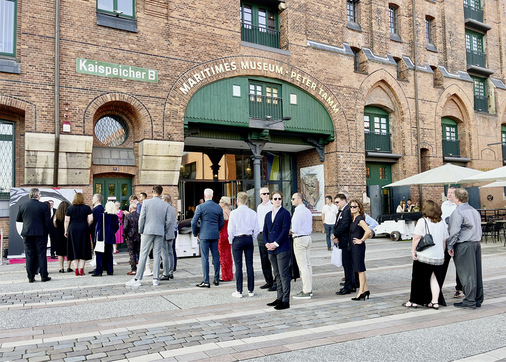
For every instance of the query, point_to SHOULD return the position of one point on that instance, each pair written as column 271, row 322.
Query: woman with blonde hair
column 78, row 218
column 106, row 229
column 425, row 289
column 224, row 248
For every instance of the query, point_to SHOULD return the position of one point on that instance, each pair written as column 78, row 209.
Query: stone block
column 73, row 176
column 170, row 178
column 160, row 163
column 38, row 176
column 75, row 160
column 39, row 142
column 43, row 159
column 161, row 148
column 73, row 143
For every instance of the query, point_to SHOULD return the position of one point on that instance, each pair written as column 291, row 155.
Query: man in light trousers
column 302, row 227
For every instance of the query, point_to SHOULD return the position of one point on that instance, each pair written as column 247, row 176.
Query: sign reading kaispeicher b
column 87, row 66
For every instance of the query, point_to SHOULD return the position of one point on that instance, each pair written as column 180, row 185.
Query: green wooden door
column 380, row 174
column 114, row 189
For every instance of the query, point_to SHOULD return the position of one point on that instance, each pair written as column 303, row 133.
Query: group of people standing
column 456, row 232
column 279, row 236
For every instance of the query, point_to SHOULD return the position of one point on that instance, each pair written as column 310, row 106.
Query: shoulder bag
column 426, row 241
column 100, row 245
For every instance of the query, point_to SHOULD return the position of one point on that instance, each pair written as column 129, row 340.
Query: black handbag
column 426, row 241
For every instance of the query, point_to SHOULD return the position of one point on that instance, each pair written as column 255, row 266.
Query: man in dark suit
column 277, row 242
column 342, row 234
column 35, row 218
column 211, row 219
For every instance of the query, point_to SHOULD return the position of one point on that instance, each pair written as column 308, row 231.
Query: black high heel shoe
column 362, row 296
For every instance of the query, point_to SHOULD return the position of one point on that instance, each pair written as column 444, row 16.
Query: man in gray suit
column 154, row 225
column 167, row 251
column 211, row 220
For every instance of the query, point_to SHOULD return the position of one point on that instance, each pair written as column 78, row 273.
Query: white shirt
column 242, row 221
column 435, row 254
column 302, row 221
column 330, row 214
column 262, row 210
column 447, row 208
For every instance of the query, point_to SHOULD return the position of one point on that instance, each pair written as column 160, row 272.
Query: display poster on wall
column 20, row 195
column 312, row 188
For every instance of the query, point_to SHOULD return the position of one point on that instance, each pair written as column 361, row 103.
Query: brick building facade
column 400, row 85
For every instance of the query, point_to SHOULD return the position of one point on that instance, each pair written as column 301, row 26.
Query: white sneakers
column 155, row 282
column 236, row 294
column 133, row 283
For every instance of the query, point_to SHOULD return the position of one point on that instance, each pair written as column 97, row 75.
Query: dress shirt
column 242, row 221
column 370, row 221
column 330, row 213
column 447, row 208
column 302, row 221
column 465, row 225
column 262, row 210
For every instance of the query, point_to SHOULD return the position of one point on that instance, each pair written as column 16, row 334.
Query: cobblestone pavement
column 81, row 318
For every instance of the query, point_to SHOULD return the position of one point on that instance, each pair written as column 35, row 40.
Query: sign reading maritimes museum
column 263, row 67
column 111, row 70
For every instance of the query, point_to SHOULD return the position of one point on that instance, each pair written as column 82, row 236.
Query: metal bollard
column 2, row 246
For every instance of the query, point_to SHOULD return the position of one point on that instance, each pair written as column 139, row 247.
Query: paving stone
column 96, row 356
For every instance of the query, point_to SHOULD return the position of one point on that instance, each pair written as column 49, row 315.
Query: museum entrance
column 230, row 174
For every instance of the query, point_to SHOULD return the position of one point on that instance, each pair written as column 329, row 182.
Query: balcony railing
column 480, row 103
column 473, row 13
column 264, row 107
column 260, row 35
column 451, row 148
column 378, row 142
column 476, row 58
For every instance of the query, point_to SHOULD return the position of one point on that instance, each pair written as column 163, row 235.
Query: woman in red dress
column 224, row 247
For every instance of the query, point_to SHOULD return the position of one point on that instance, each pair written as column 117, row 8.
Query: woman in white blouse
column 425, row 289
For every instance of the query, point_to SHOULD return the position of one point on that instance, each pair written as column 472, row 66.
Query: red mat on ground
column 23, row 260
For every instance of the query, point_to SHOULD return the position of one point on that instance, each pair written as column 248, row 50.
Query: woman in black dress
column 77, row 220
column 359, row 232
column 106, row 229
column 60, row 240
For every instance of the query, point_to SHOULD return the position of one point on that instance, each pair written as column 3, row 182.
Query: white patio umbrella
column 498, row 174
column 443, row 175
column 495, row 184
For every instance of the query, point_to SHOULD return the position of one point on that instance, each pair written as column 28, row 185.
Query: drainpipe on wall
column 417, row 111
column 56, row 94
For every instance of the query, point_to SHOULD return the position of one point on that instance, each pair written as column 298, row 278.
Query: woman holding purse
column 425, row 289
column 106, row 229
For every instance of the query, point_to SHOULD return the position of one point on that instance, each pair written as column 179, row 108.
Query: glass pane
column 107, row 5
column 262, row 19
column 367, row 125
column 246, row 15
column 248, row 169
column 6, row 157
column 272, row 163
column 126, row 6
column 124, row 190
column 7, row 26
column 111, row 131
column 238, row 167
column 112, row 190
column 98, row 188
column 286, row 167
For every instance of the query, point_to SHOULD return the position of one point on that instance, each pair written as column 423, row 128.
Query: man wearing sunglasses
column 277, row 242
column 262, row 210
column 342, row 234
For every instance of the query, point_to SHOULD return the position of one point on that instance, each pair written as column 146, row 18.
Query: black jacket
column 35, row 218
column 342, row 227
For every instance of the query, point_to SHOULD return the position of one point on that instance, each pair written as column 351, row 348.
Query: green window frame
column 259, row 24
column 503, row 135
column 480, row 94
column 450, row 129
column 376, row 120
column 265, row 101
column 7, row 157
column 474, row 41
column 473, row 4
column 8, row 27
column 120, row 8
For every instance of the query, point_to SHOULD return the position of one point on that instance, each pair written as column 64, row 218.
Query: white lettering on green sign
column 111, row 70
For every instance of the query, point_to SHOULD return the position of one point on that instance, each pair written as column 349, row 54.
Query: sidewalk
column 81, row 318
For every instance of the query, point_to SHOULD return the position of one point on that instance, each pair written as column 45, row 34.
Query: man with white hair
column 211, row 220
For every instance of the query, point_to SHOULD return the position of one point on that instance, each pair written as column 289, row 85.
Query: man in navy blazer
column 277, row 241
column 342, row 234
column 210, row 215
column 35, row 218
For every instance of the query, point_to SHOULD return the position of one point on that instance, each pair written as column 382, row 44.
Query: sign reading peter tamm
column 111, row 70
